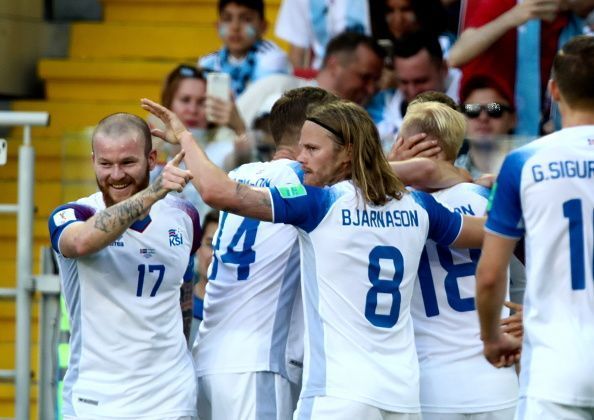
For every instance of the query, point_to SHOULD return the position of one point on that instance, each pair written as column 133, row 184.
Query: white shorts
column 325, row 408
column 534, row 408
column 245, row 396
column 503, row 414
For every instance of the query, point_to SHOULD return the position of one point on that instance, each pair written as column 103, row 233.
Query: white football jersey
column 128, row 354
column 359, row 263
column 545, row 191
column 455, row 376
column 252, row 307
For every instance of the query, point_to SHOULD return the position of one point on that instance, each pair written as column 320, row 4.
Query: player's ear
column 554, row 90
column 152, row 159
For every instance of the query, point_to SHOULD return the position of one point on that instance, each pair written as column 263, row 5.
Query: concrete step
column 70, row 117
column 104, row 80
column 178, row 11
column 7, row 395
column 44, row 147
column 46, row 169
column 182, row 42
column 142, row 40
column 47, row 196
column 7, row 315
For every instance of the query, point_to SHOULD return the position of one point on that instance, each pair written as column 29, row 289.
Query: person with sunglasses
column 490, row 114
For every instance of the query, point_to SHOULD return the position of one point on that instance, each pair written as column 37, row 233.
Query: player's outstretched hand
column 513, row 324
column 413, row 146
column 173, row 178
column 504, row 351
column 174, row 128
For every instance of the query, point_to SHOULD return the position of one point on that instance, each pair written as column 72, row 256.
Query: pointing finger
column 178, row 158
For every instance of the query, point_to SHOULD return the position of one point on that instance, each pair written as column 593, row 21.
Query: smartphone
column 3, row 152
column 218, row 85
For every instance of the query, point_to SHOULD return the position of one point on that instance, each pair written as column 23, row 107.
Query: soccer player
column 249, row 352
column 456, row 381
column 123, row 253
column 361, row 240
column 545, row 192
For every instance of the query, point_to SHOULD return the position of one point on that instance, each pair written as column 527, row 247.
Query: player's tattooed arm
column 119, row 217
column 215, row 187
column 251, row 202
column 79, row 239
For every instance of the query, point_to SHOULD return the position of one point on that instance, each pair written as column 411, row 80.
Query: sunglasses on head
column 187, row 71
column 493, row 109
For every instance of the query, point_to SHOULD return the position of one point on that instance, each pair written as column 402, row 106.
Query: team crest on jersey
column 64, row 216
column 147, row 252
column 175, row 237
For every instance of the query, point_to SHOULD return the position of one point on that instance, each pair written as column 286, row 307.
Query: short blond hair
column 437, row 120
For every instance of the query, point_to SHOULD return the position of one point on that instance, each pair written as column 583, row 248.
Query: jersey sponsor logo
column 88, row 401
column 118, row 242
column 147, row 252
column 292, row 191
column 260, row 182
column 64, row 216
column 175, row 237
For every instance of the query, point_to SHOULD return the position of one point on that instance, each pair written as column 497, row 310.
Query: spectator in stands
column 184, row 92
column 351, row 69
column 490, row 44
column 245, row 56
column 123, row 253
column 418, row 67
column 491, row 116
column 308, row 26
column 407, row 17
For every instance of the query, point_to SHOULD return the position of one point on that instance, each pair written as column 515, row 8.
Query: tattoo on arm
column 250, row 198
column 124, row 213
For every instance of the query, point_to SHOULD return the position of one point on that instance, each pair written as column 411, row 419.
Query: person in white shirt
column 123, row 254
column 253, row 298
column 545, row 193
column 361, row 239
column 456, row 381
column 308, row 26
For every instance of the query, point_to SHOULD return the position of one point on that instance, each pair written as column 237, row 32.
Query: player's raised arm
column 213, row 184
